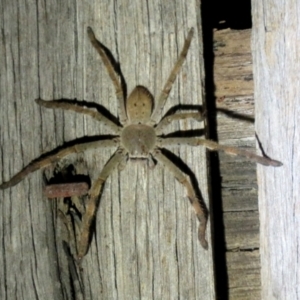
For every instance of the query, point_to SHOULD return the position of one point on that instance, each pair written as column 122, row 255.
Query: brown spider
column 138, row 136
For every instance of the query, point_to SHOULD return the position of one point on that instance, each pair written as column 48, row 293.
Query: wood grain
column 235, row 126
column 244, row 275
column 275, row 44
column 145, row 243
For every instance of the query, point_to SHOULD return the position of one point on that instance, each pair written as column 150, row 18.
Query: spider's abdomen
column 138, row 140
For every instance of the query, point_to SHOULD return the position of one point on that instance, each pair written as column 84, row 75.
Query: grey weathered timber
column 235, row 125
column 243, row 275
column 145, row 244
column 275, row 45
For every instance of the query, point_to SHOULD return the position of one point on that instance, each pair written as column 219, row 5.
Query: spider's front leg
column 166, row 121
column 93, row 201
column 77, row 107
column 102, row 50
column 198, row 204
column 167, row 88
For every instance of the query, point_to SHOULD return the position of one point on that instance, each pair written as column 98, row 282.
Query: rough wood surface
column 275, row 46
column 145, row 244
column 235, row 126
column 244, row 275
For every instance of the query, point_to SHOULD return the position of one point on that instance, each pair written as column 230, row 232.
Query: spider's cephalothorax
column 138, row 137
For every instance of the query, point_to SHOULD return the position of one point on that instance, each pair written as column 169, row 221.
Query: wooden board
column 244, row 275
column 238, row 205
column 276, row 64
column 145, row 243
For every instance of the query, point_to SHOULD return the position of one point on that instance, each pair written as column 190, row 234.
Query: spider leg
column 175, row 117
column 65, row 104
column 93, row 200
column 111, row 72
column 214, row 146
column 167, row 88
column 198, row 205
column 50, row 158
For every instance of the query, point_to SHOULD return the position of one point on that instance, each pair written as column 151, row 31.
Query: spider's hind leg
column 198, row 204
column 93, row 201
column 214, row 146
column 54, row 156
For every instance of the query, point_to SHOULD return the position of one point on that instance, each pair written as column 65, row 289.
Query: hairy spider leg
column 198, row 204
column 65, row 104
column 177, row 117
column 167, row 88
column 93, row 201
column 214, row 146
column 46, row 160
column 112, row 74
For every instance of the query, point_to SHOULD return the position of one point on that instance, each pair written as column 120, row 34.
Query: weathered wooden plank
column 241, row 230
column 145, row 243
column 244, row 274
column 239, row 185
column 233, row 73
column 235, row 126
column 276, row 64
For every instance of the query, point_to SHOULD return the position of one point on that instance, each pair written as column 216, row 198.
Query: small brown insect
column 138, row 135
column 64, row 190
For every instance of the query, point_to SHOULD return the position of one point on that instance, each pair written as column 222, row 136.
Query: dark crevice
column 243, row 250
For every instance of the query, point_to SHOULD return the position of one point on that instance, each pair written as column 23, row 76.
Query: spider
column 138, row 136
